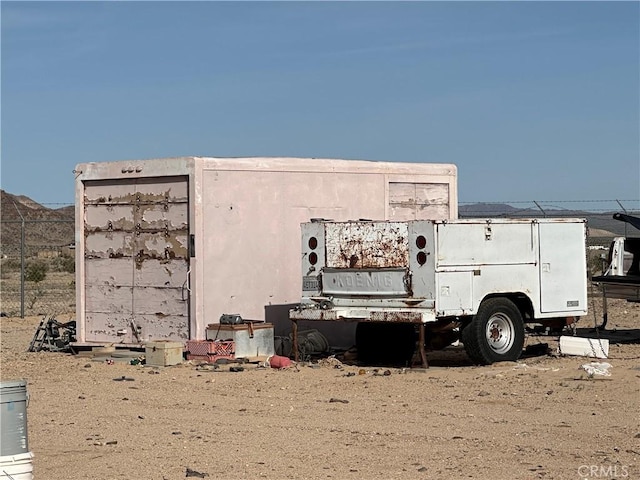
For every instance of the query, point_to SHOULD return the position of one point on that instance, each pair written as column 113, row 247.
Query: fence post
column 544, row 214
column 22, row 267
column 625, row 211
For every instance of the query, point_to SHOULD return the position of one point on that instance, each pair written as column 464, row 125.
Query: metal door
column 563, row 269
column 136, row 259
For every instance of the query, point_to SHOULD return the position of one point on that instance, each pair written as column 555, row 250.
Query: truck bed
column 626, row 287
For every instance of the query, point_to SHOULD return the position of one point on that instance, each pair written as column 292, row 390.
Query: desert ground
column 542, row 417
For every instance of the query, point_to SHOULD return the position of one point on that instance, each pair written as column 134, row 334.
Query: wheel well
column 521, row 300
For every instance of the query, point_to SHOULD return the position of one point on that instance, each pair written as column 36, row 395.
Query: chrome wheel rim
column 500, row 333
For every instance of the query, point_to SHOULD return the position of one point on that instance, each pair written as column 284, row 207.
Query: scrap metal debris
column 53, row 336
column 196, row 474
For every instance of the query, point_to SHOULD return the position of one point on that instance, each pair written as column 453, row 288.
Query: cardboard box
column 163, row 354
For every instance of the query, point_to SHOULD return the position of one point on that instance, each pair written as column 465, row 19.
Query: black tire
column 496, row 333
column 386, row 343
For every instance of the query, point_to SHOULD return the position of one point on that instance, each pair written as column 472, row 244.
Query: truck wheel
column 496, row 333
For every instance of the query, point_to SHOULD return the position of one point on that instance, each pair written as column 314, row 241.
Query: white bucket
column 13, row 417
column 17, row 467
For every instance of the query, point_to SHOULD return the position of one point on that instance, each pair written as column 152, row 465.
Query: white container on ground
column 13, row 418
column 17, row 467
column 584, row 347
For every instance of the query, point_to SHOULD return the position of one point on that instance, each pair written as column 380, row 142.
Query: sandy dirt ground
column 539, row 418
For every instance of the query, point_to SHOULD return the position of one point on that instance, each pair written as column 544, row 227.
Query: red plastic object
column 276, row 361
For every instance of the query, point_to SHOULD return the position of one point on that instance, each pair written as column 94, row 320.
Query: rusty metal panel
column 109, row 192
column 162, row 327
column 109, row 271
column 119, row 328
column 131, row 190
column 161, row 273
column 108, row 218
column 109, row 298
column 364, row 314
column 163, row 217
column 163, row 302
column 109, row 327
column 173, row 189
column 366, row 244
column 109, row 245
column 397, row 316
column 161, row 246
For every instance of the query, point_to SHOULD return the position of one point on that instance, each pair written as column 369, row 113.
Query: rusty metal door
column 136, row 259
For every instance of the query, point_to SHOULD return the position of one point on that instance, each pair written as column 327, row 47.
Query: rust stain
column 406, row 317
column 367, row 245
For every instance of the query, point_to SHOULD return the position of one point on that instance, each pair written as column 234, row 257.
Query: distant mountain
column 45, row 227
column 486, row 210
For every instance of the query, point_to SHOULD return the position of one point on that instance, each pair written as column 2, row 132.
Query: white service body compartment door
column 470, row 244
column 563, row 268
column 455, row 293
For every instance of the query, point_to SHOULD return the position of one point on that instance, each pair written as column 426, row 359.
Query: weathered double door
column 136, row 260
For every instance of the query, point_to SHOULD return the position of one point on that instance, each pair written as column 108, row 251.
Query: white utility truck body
column 446, row 273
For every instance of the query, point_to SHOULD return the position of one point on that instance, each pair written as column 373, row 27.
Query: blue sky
column 535, row 100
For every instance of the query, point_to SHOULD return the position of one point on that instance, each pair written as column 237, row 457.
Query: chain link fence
column 37, row 275
column 37, row 269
